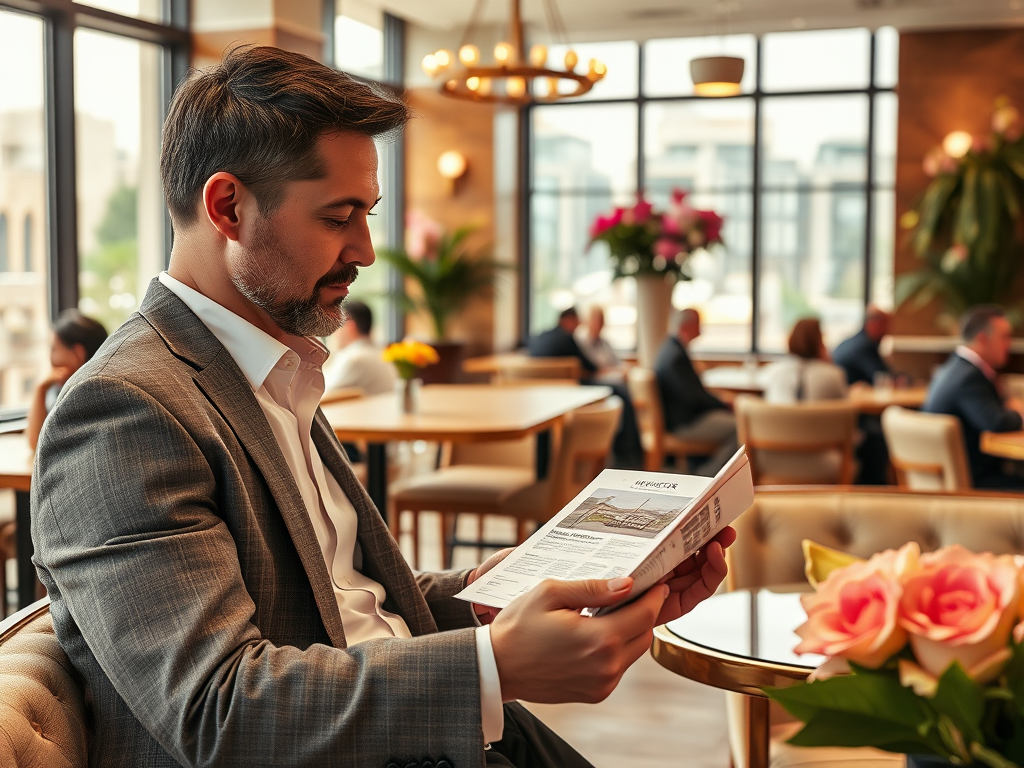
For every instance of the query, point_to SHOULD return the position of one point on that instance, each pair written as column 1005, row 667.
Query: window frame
column 871, row 187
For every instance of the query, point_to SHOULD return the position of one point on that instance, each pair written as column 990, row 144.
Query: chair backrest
column 585, row 443
column 42, row 707
column 802, row 443
column 926, row 450
column 499, row 453
column 538, row 368
column 643, row 390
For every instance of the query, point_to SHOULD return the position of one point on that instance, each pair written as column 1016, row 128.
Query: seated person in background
column 560, row 342
column 806, row 374
column 965, row 387
column 75, row 339
column 358, row 363
column 859, row 355
column 691, row 412
column 598, row 350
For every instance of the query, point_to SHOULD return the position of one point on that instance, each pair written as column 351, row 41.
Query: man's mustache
column 347, row 273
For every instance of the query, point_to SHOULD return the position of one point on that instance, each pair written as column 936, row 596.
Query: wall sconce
column 452, row 165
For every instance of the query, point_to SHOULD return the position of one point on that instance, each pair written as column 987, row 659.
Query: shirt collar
column 974, row 359
column 255, row 351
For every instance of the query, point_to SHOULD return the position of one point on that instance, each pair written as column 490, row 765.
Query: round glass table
column 740, row 641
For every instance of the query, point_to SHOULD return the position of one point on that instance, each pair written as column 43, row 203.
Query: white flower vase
column 408, row 392
column 653, row 305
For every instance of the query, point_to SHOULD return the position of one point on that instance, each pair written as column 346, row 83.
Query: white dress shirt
column 288, row 382
column 359, row 364
column 974, row 359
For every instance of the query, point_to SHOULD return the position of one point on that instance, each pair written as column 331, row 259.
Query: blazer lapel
column 382, row 560
column 222, row 381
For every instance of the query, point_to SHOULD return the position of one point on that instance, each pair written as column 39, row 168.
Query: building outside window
column 812, row 221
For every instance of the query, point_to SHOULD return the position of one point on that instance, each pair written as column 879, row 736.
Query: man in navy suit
column 965, row 387
column 859, row 355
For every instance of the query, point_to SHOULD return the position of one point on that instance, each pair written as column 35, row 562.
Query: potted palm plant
column 444, row 276
column 967, row 229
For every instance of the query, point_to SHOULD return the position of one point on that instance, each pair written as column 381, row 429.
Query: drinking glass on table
column 883, row 382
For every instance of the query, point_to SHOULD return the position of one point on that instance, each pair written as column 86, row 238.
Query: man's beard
column 264, row 280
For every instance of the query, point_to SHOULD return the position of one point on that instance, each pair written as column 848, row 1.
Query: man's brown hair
column 805, row 339
column 259, row 115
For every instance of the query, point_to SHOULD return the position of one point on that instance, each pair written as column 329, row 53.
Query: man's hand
column 547, row 652
column 484, row 613
column 696, row 578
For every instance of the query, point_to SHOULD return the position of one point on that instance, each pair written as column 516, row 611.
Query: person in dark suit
column 965, row 387
column 859, row 355
column 560, row 342
column 691, row 412
column 860, row 358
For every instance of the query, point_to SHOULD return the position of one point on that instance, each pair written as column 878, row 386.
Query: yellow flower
column 408, row 355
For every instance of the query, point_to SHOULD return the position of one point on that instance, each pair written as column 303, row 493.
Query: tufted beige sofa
column 42, row 712
column 862, row 521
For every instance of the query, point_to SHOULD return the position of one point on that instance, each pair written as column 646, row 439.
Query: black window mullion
column 869, row 206
column 59, row 70
column 394, row 74
column 641, row 170
column 525, row 222
column 755, row 211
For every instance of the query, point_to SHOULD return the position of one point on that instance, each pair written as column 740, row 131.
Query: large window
column 82, row 220
column 800, row 164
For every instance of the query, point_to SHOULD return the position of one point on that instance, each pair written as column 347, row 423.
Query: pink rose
column 712, row 225
column 960, row 606
column 604, row 223
column 854, row 613
column 422, row 235
column 670, row 226
column 678, row 195
column 642, row 210
column 666, row 247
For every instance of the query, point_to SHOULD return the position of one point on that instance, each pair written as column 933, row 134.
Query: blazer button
column 412, row 765
column 427, row 764
column 392, row 764
column 442, row 763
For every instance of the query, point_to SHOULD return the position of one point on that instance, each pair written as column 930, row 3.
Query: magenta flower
column 712, row 225
column 667, row 247
column 604, row 223
column 642, row 211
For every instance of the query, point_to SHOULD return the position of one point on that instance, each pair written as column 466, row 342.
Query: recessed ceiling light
column 799, row 22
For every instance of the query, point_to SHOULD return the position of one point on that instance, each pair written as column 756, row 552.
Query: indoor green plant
column 446, row 273
column 967, row 228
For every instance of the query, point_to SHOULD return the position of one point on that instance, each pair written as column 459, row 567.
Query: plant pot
column 448, row 368
column 653, row 304
column 408, row 393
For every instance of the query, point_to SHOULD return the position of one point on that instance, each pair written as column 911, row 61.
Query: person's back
column 358, row 363
column 796, row 380
column 560, row 342
column 858, row 355
column 965, row 387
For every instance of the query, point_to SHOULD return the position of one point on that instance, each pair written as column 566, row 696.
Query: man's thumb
column 589, row 592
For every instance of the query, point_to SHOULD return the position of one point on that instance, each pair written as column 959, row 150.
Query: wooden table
column 874, row 401
column 740, row 641
column 16, row 473
column 455, row 413
column 1007, row 445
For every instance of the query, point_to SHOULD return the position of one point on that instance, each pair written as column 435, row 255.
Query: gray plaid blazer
column 189, row 590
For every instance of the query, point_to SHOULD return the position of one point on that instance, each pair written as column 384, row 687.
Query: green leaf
column 871, row 694
column 961, row 700
column 855, row 730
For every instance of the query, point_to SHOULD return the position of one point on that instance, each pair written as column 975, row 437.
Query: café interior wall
column 948, row 81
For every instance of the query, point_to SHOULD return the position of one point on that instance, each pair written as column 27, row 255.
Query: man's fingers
column 585, row 593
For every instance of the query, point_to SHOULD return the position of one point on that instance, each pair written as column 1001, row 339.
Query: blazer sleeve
column 130, row 542
column 982, row 409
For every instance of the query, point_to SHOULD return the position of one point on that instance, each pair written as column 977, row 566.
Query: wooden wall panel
column 442, row 124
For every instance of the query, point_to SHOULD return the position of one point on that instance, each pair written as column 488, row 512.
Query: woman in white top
column 808, row 373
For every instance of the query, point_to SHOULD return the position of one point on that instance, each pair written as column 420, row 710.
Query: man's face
column 993, row 344
column 877, row 326
column 689, row 329
column 296, row 264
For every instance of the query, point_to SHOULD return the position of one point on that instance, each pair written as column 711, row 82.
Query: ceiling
column 644, row 19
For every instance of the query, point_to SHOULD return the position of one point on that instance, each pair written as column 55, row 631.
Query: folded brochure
column 625, row 523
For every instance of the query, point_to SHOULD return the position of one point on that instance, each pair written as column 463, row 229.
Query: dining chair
column 797, row 444
column 656, row 441
column 579, row 453
column 926, row 450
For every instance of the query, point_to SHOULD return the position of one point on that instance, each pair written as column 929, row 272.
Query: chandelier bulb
column 516, row 87
column 473, row 83
column 443, row 58
column 571, row 60
column 503, row 53
column 469, row 55
column 485, row 86
column 596, row 71
column 539, row 55
column 429, row 64
column 552, row 86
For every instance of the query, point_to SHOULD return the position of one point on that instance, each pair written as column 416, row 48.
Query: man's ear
column 223, row 198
